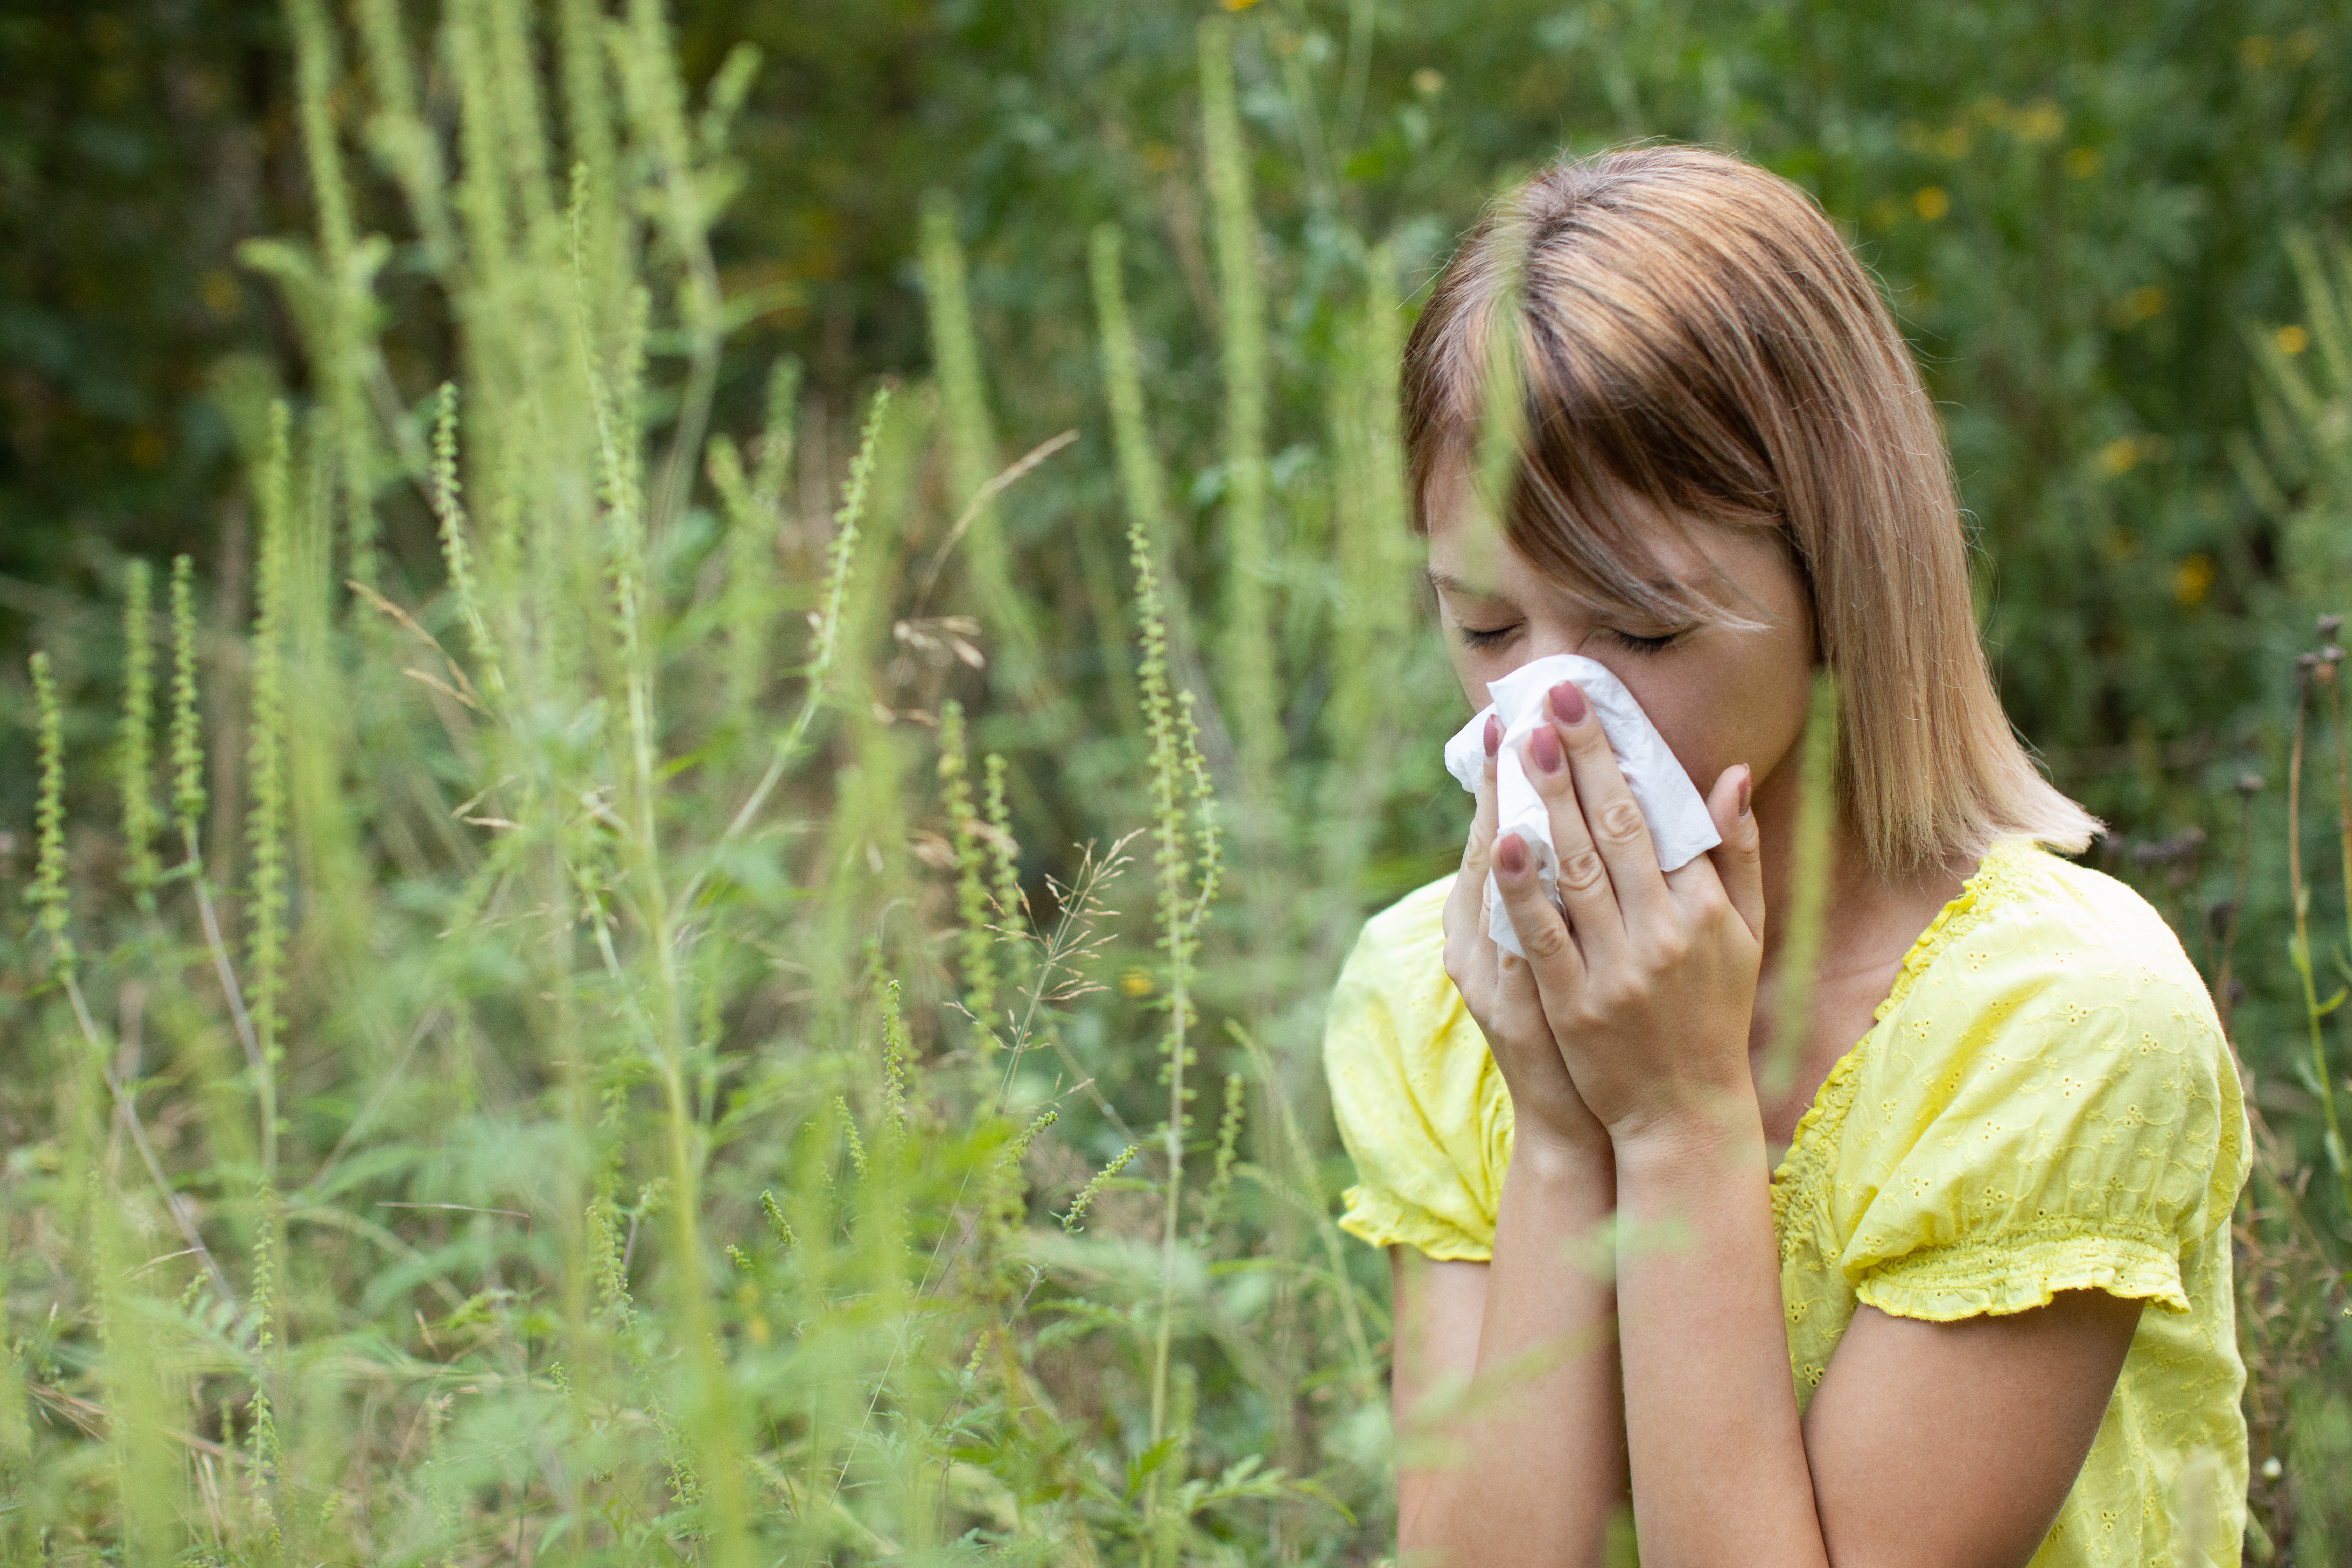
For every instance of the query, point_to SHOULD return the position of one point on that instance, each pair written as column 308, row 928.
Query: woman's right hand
column 1499, row 989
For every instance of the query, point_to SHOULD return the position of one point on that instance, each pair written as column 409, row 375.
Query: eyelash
column 1473, row 637
column 1632, row 644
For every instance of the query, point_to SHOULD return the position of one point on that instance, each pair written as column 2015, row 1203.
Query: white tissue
column 1679, row 824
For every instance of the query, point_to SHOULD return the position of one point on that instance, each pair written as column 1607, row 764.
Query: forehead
column 1469, row 551
column 1666, row 568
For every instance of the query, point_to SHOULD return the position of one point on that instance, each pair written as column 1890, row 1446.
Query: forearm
column 1718, row 1464
column 1534, row 1452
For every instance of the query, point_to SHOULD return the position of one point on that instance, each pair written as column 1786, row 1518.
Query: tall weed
column 637, row 1091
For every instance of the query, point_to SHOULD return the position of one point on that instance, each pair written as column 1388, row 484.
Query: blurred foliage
column 2079, row 210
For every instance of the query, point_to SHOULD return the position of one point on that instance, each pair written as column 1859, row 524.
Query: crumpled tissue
column 1677, row 813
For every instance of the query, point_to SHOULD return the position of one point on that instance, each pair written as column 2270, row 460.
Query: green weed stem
column 2299, row 950
column 49, row 899
column 446, row 491
column 972, row 900
column 134, row 755
column 47, row 895
column 1806, row 899
column 645, row 61
column 265, row 769
column 971, row 442
column 348, row 266
column 1253, row 684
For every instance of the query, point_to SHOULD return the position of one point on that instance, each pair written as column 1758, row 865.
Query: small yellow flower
column 1135, row 983
column 2081, row 162
column 2119, row 456
column 1931, row 203
column 2040, row 120
column 2291, row 341
column 2191, row 578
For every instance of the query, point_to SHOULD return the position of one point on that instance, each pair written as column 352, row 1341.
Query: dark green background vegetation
column 2081, row 212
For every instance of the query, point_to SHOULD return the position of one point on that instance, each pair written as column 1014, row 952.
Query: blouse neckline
column 1809, row 1155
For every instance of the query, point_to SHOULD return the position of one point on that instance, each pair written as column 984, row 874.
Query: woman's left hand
column 1649, row 981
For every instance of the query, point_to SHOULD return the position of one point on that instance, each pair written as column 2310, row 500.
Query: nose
column 1542, row 642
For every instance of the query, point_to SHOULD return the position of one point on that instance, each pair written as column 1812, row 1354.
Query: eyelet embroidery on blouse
column 1812, row 1150
column 2051, row 1108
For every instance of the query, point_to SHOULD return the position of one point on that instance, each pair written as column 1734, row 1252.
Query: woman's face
column 1720, row 696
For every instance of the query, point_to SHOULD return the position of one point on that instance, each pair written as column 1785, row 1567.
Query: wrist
column 1700, row 1132
column 1549, row 1157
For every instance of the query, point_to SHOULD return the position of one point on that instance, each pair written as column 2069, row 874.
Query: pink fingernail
column 1747, row 782
column 1543, row 749
column 1510, row 855
column 1567, row 703
column 1493, row 734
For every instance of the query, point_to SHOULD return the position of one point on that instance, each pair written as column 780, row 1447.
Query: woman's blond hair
column 1689, row 330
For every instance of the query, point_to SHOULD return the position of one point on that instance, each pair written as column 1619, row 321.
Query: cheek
column 1468, row 670
column 1721, row 712
column 1473, row 668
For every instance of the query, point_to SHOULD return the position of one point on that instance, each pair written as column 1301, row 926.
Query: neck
column 1855, row 918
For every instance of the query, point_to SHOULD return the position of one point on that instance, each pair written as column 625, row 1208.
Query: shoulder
column 2040, row 940
column 1419, row 1105
column 1398, row 963
column 2054, row 1040
column 1414, row 923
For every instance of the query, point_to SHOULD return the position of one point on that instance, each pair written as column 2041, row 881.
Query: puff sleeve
column 2067, row 1118
column 1415, row 1090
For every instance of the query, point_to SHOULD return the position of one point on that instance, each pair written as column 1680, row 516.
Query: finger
column 1552, row 953
column 1612, row 816
column 1584, row 884
column 1738, row 860
column 1478, row 848
column 1465, row 904
column 1517, row 999
column 1697, row 883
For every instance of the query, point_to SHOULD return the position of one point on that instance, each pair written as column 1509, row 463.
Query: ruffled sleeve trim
column 1380, row 1216
column 1995, row 1275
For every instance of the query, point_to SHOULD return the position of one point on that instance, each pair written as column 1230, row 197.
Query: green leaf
column 1140, row 1469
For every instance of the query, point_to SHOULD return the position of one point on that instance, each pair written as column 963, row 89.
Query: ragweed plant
column 640, row 1081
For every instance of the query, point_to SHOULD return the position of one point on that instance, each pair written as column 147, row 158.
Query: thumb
column 1739, row 858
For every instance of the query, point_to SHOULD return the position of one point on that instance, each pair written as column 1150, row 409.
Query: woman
column 1981, row 1312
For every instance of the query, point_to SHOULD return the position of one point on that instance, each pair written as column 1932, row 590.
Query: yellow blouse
column 2046, row 1103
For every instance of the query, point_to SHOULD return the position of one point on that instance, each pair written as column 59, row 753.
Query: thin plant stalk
column 2300, row 950
column 1249, row 647
column 1808, row 889
column 2327, row 673
column 2224, row 978
column 824, row 645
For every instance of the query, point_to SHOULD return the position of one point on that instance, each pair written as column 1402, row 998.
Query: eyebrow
column 1447, row 583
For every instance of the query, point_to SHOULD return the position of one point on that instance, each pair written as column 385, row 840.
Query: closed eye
column 1473, row 637
column 1632, row 644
